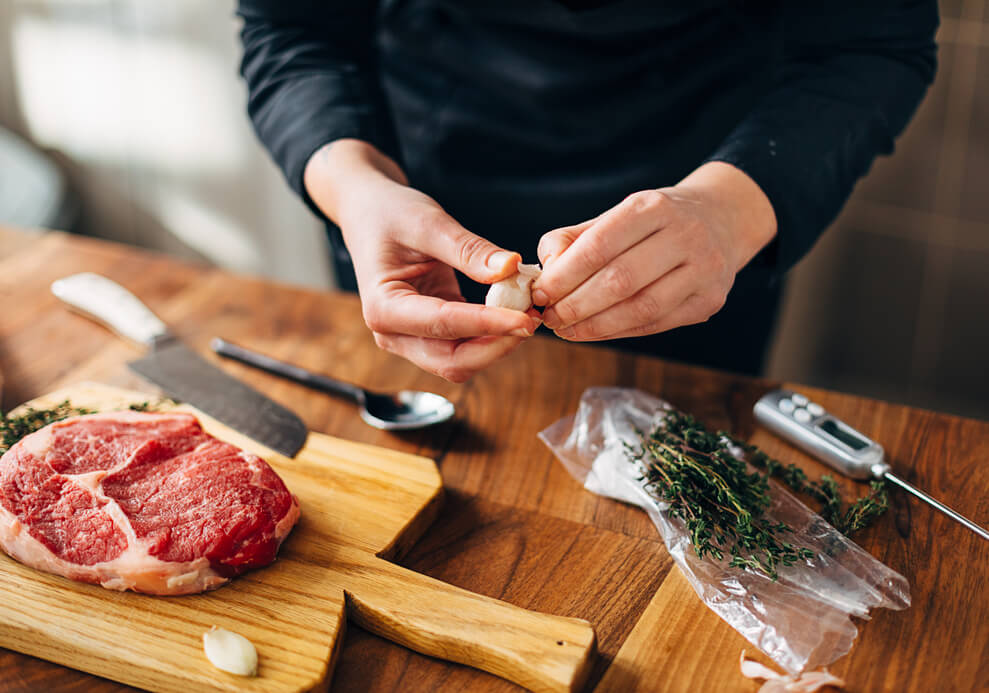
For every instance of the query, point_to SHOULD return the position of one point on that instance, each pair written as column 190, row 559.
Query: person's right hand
column 405, row 249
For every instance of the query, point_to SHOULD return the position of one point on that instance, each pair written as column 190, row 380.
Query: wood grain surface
column 514, row 525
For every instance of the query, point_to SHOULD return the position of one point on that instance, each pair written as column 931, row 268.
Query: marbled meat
column 140, row 501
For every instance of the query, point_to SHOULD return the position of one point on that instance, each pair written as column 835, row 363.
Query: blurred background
column 125, row 120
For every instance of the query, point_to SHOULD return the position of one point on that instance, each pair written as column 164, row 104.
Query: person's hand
column 658, row 260
column 405, row 249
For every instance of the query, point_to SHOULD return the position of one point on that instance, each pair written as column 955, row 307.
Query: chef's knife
column 177, row 369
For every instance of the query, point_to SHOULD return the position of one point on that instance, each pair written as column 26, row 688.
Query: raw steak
column 138, row 501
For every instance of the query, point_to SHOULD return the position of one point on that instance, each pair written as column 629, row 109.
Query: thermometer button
column 799, row 399
column 786, row 406
column 802, row 415
column 815, row 409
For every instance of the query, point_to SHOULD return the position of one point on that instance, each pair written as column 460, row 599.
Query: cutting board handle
column 539, row 651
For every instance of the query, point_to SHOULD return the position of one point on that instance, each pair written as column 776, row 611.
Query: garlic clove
column 230, row 652
column 514, row 292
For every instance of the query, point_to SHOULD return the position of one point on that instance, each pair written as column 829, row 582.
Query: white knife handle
column 105, row 301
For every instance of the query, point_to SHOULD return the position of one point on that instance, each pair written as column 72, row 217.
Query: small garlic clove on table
column 230, row 652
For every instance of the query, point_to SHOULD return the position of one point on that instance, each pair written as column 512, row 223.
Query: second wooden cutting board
column 360, row 505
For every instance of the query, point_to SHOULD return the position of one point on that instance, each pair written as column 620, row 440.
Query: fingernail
column 521, row 332
column 539, row 297
column 498, row 260
column 567, row 333
column 550, row 319
column 547, row 260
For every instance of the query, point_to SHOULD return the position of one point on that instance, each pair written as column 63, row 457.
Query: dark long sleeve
column 850, row 78
column 491, row 105
column 311, row 78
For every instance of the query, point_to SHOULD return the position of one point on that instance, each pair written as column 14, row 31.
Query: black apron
column 520, row 116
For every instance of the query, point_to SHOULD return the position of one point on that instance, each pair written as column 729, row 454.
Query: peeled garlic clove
column 230, row 652
column 514, row 292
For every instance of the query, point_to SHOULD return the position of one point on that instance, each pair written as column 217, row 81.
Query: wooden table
column 515, row 526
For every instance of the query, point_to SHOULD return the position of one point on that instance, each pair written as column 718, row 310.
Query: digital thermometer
column 807, row 425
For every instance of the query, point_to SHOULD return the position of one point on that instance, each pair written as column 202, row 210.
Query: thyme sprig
column 825, row 491
column 13, row 428
column 723, row 504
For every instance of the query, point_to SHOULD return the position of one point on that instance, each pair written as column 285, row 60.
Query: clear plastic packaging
column 802, row 620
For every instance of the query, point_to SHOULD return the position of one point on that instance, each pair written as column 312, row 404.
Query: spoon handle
column 287, row 370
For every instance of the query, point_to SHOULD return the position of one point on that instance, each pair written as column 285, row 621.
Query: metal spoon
column 402, row 411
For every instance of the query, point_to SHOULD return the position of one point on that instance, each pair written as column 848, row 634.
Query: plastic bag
column 803, row 619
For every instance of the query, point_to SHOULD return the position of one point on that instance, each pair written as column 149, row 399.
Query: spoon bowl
column 405, row 410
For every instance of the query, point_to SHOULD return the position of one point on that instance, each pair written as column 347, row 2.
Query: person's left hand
column 658, row 260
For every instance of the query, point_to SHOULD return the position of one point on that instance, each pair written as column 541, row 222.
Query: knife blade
column 178, row 370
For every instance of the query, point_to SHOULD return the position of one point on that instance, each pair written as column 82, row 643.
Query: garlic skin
column 514, row 292
column 806, row 682
column 230, row 652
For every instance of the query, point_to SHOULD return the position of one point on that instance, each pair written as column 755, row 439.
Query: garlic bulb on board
column 230, row 652
column 514, row 292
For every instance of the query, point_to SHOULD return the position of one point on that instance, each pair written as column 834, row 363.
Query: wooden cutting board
column 360, row 505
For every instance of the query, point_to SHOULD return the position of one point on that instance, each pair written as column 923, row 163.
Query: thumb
column 476, row 257
column 554, row 242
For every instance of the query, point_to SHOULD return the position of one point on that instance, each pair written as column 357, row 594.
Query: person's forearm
column 343, row 172
column 744, row 207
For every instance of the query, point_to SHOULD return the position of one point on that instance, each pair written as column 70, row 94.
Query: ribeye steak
column 140, row 501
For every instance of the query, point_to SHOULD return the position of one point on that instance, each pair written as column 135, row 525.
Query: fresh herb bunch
column 723, row 504
column 13, row 428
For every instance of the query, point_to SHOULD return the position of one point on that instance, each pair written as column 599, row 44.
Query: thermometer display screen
column 846, row 436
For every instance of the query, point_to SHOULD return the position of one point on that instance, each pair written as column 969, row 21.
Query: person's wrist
column 744, row 208
column 341, row 175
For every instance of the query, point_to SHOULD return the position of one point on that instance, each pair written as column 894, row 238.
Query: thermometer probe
column 808, row 426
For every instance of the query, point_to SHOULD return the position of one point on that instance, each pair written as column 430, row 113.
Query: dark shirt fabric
column 521, row 116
